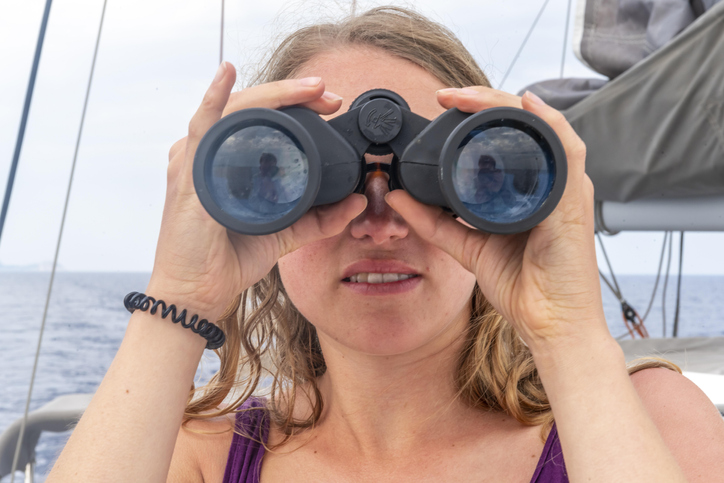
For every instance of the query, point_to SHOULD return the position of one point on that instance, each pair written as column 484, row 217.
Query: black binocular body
column 502, row 170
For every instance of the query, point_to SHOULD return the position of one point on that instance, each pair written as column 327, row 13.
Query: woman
column 454, row 372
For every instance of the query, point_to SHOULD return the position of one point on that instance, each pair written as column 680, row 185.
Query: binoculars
column 502, row 170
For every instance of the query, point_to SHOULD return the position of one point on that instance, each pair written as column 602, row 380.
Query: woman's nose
column 379, row 222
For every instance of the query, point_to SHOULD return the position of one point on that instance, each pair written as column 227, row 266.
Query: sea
column 86, row 321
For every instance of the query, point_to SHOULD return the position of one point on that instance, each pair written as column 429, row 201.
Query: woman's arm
column 202, row 448
column 545, row 283
column 688, row 422
column 129, row 429
column 652, row 426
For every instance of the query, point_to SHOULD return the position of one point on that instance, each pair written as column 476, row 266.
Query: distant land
column 35, row 267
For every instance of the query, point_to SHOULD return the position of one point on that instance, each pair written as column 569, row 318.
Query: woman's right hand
column 197, row 260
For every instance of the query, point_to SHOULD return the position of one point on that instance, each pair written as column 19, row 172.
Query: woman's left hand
column 544, row 281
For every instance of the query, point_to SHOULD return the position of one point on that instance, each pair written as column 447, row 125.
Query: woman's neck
column 384, row 404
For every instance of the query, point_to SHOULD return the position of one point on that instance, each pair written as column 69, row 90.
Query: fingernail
column 534, row 98
column 220, row 72
column 310, row 81
column 468, row 91
column 365, row 206
column 331, row 96
column 449, row 90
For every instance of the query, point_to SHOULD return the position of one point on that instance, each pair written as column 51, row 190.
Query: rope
column 57, row 249
column 658, row 276
column 565, row 37
column 522, row 46
column 24, row 117
column 666, row 283
column 678, row 283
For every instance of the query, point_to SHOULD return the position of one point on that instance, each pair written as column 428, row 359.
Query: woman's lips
column 380, row 277
column 371, row 265
column 385, row 288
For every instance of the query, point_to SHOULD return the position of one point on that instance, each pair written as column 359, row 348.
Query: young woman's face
column 325, row 280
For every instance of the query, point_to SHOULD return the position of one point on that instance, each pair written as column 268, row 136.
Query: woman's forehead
column 350, row 71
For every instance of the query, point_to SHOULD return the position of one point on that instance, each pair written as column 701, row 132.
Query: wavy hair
column 266, row 334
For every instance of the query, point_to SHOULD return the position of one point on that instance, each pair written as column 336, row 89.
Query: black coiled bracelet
column 209, row 331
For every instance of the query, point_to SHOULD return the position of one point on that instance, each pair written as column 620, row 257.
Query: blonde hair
column 266, row 334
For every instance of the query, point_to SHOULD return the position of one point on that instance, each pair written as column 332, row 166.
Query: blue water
column 86, row 322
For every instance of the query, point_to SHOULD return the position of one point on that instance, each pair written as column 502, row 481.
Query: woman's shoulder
column 665, row 392
column 688, row 422
column 202, row 445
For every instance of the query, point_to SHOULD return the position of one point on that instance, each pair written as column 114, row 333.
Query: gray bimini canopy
column 656, row 130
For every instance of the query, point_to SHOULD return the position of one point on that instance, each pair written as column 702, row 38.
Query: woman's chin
column 388, row 337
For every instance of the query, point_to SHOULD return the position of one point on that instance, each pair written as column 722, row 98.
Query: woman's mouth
column 380, row 277
column 367, row 277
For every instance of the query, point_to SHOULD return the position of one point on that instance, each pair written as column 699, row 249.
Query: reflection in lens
column 259, row 173
column 502, row 173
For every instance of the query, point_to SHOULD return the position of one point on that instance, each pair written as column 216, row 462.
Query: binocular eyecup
column 502, row 170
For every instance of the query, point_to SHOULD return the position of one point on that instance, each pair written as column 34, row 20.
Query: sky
column 155, row 61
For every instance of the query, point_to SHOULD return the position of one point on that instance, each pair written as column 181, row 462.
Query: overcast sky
column 155, row 61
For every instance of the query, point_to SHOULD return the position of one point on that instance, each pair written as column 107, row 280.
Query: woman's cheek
column 306, row 274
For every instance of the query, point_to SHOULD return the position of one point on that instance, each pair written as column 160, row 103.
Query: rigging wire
column 666, row 283
column 57, row 248
column 522, row 46
column 658, row 276
column 221, row 42
column 678, row 284
column 617, row 290
column 565, row 37
column 24, row 117
column 631, row 319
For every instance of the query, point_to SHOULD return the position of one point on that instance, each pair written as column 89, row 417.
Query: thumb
column 321, row 222
column 435, row 226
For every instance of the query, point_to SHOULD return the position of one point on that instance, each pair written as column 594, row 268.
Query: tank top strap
column 551, row 467
column 247, row 446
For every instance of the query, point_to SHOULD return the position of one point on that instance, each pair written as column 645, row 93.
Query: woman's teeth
column 379, row 277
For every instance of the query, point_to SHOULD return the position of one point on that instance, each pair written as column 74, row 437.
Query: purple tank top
column 245, row 454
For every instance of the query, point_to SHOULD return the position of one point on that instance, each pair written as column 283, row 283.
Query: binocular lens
column 503, row 171
column 259, row 173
